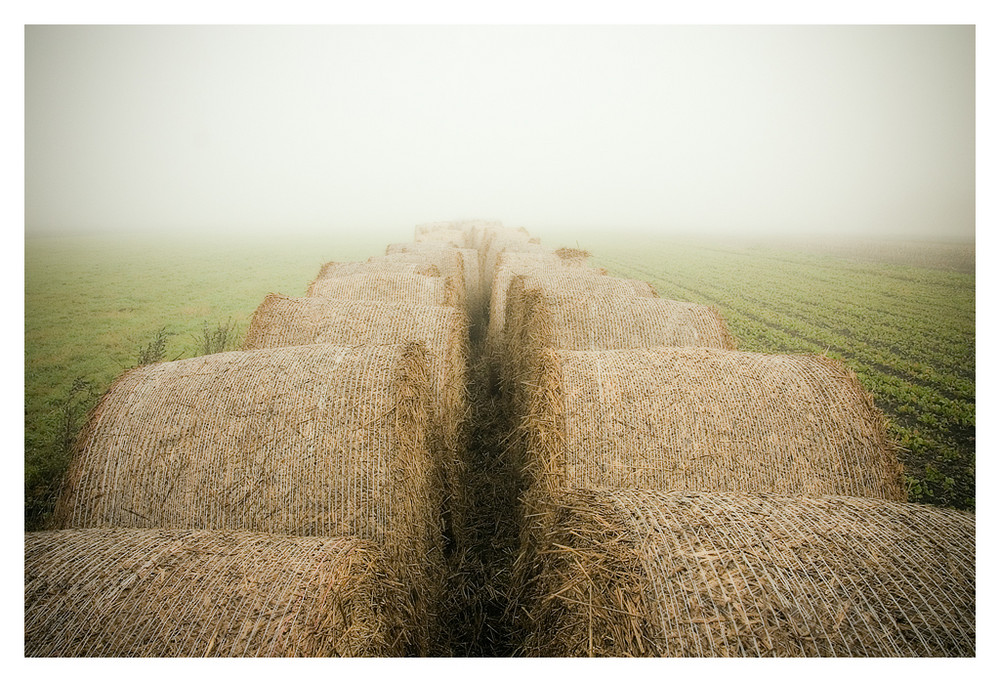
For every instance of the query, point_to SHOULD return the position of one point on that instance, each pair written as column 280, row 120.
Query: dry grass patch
column 550, row 273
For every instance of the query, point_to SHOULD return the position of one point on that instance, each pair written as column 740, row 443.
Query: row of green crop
column 908, row 333
column 96, row 305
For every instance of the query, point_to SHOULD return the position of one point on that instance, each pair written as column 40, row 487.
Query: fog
column 865, row 130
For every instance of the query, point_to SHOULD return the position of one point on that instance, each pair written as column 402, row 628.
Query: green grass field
column 91, row 303
column 903, row 317
column 900, row 314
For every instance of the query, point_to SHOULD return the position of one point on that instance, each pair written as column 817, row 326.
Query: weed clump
column 155, row 350
column 218, row 339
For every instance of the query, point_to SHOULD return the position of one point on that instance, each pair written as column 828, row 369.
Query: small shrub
column 52, row 447
column 156, row 349
column 223, row 337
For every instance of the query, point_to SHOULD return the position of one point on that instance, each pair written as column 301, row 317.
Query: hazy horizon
column 742, row 130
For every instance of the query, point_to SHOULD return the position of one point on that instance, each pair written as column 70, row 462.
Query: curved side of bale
column 709, row 420
column 284, row 321
column 645, row 573
column 172, row 593
column 390, row 287
column 306, row 440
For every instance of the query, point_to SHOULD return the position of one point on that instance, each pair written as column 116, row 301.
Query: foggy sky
column 825, row 129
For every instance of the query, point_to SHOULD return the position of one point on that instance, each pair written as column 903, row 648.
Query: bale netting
column 317, row 440
column 552, row 274
column 127, row 592
column 283, row 321
column 389, row 287
column 652, row 573
column 708, row 420
column 376, row 264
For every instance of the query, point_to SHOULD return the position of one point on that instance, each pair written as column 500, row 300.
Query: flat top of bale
column 686, row 574
column 173, row 593
column 711, row 420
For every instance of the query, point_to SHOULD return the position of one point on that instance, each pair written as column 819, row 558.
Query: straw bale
column 652, row 573
column 169, row 593
column 389, row 287
column 708, row 420
column 552, row 274
column 461, row 263
column 317, row 440
column 283, row 321
column 473, row 231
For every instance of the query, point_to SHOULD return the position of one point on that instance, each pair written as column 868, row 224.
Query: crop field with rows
column 901, row 315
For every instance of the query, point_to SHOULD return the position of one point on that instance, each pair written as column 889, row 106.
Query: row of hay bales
column 297, row 497
column 683, row 498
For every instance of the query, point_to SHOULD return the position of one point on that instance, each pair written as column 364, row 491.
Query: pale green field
column 92, row 301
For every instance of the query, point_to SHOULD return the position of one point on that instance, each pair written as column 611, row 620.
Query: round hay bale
column 551, row 274
column 170, row 593
column 282, row 321
column 708, row 420
column 649, row 573
column 389, row 287
column 307, row 440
